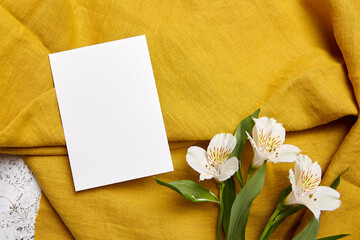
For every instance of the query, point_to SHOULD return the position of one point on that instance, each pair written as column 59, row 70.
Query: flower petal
column 228, row 169
column 278, row 131
column 263, row 123
column 305, row 161
column 285, row 153
column 259, row 157
column 314, row 209
column 297, row 169
column 253, row 143
column 290, row 199
column 255, row 131
column 224, row 140
column 292, row 180
column 306, row 201
column 231, row 141
column 315, row 169
column 307, row 167
column 197, row 159
column 220, row 147
column 327, row 198
column 206, row 175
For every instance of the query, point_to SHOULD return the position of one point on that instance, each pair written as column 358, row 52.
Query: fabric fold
column 214, row 64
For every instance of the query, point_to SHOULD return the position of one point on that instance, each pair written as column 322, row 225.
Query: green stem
column 251, row 170
column 221, row 214
column 270, row 223
column 239, row 178
column 287, row 212
column 239, row 174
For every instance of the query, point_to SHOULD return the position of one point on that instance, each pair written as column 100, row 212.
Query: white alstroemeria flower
column 306, row 189
column 215, row 162
column 267, row 142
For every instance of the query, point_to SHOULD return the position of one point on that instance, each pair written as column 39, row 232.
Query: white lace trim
column 20, row 199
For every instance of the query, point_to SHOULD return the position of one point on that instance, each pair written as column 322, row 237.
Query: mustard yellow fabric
column 214, row 62
column 48, row 219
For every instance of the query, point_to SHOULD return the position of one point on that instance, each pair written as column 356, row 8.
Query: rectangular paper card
column 110, row 112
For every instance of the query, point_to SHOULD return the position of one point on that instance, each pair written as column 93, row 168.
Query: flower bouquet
column 222, row 160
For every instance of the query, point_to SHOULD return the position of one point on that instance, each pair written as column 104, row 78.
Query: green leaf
column 228, row 200
column 310, row 231
column 336, row 183
column 242, row 204
column 245, row 125
column 334, row 237
column 190, row 190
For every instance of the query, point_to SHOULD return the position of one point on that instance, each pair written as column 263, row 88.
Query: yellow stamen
column 308, row 182
column 218, row 155
column 268, row 143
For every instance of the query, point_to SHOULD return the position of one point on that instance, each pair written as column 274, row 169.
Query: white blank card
column 110, row 113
